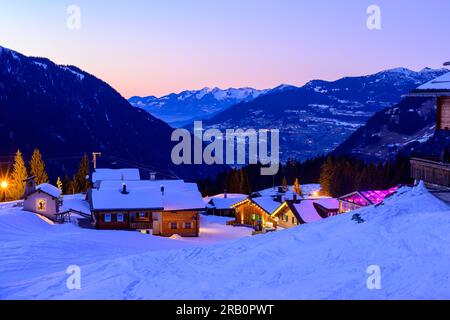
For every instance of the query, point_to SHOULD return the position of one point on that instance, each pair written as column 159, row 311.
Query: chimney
column 295, row 197
column 162, row 190
column 124, row 188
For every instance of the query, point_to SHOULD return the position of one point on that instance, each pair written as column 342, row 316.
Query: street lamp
column 4, row 185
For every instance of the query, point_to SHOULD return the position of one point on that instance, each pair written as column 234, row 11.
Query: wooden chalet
column 293, row 213
column 256, row 212
column 167, row 207
column 434, row 171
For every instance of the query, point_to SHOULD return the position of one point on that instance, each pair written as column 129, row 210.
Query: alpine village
column 137, row 199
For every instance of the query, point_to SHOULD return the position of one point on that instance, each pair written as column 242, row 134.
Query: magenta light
column 374, row 196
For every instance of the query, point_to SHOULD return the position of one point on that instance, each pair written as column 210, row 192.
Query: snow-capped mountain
column 318, row 117
column 393, row 130
column 66, row 112
column 408, row 128
column 188, row 106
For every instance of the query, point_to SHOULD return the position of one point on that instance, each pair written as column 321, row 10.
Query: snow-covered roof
column 137, row 199
column 147, row 194
column 306, row 211
column 222, row 201
column 440, row 84
column 49, row 189
column 182, row 200
column 147, row 184
column 307, row 190
column 328, row 203
column 268, row 204
column 75, row 202
column 228, row 195
column 115, row 174
column 225, row 203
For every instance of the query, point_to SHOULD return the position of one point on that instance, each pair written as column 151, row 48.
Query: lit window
column 108, row 217
column 41, row 204
column 120, row 217
column 188, row 225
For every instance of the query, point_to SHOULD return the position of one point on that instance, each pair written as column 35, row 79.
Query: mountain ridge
column 65, row 111
column 316, row 118
column 178, row 109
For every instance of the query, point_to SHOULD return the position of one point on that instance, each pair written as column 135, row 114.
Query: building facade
column 43, row 199
column 431, row 170
column 166, row 207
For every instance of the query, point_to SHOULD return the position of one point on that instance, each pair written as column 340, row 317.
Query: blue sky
column 154, row 47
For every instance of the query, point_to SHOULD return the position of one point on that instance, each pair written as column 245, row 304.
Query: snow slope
column 408, row 238
column 31, row 248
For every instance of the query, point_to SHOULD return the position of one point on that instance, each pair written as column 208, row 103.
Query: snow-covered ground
column 30, row 247
column 408, row 238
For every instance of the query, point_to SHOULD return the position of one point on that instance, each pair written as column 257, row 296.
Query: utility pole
column 94, row 157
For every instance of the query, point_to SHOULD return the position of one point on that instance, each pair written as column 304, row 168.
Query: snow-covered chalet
column 120, row 200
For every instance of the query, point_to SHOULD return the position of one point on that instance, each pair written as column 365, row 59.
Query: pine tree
column 284, row 184
column 244, row 182
column 297, row 187
column 37, row 167
column 233, row 184
column 67, row 189
column 326, row 172
column 19, row 174
column 59, row 184
column 80, row 183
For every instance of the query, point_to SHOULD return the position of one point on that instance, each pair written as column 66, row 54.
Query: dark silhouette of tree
column 80, row 182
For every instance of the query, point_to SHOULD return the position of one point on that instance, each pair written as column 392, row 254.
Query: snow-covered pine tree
column 19, row 174
column 37, row 167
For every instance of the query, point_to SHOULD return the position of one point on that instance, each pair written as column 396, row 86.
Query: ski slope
column 408, row 238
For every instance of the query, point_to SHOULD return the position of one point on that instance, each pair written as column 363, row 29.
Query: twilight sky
column 153, row 47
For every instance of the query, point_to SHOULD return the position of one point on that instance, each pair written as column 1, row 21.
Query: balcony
column 141, row 225
column 430, row 171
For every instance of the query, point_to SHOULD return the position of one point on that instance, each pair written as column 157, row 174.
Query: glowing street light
column 4, row 185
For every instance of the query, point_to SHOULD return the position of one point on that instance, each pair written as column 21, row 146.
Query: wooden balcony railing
column 431, row 172
column 141, row 225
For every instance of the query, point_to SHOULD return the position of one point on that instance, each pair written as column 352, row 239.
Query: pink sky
column 157, row 47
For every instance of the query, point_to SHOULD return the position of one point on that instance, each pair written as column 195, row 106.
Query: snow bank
column 408, row 237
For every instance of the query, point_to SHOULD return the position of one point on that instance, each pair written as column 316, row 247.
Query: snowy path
column 408, row 238
column 30, row 247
